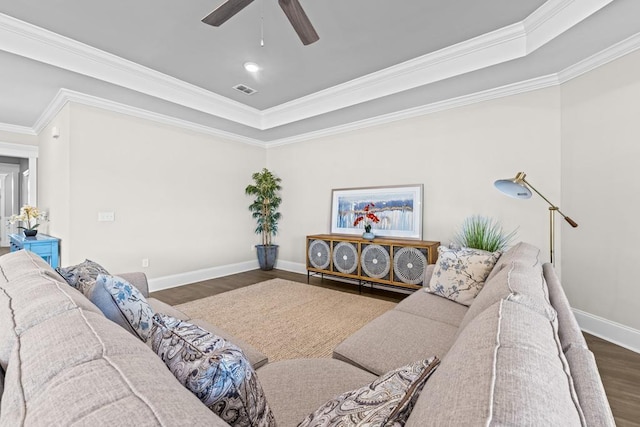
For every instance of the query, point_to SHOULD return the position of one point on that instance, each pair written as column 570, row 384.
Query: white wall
column 53, row 180
column 600, row 186
column 456, row 154
column 178, row 197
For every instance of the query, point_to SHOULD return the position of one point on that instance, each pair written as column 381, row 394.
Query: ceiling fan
column 292, row 8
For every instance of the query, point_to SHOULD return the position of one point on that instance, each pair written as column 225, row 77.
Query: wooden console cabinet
column 387, row 261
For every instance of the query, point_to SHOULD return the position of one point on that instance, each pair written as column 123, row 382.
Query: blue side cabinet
column 46, row 246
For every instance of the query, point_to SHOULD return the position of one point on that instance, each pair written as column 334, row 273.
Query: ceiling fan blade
column 225, row 11
column 299, row 21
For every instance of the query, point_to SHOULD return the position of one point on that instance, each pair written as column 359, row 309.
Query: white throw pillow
column 459, row 274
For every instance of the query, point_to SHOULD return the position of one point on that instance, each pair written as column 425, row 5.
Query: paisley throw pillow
column 123, row 303
column 388, row 401
column 214, row 370
column 459, row 274
column 82, row 276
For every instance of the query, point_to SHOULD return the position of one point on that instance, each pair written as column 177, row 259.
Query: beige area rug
column 288, row 320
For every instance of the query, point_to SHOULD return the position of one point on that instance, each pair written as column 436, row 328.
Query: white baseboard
column 294, row 267
column 188, row 277
column 613, row 332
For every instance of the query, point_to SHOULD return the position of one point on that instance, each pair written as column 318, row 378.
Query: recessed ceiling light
column 251, row 67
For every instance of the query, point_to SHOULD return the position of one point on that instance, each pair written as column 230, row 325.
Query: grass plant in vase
column 367, row 218
column 480, row 232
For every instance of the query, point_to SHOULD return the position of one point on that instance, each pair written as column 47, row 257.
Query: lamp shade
column 514, row 187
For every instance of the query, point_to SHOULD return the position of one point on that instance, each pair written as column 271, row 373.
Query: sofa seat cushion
column 79, row 368
column 395, row 339
column 433, row 307
column 513, row 373
column 256, row 357
column 295, row 388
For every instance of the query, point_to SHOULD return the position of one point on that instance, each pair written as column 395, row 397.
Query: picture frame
column 399, row 208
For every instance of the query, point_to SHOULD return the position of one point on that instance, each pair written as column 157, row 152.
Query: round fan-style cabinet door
column 375, row 261
column 409, row 265
column 319, row 254
column 345, row 257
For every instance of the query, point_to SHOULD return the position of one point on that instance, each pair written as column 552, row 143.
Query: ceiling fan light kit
column 291, row 8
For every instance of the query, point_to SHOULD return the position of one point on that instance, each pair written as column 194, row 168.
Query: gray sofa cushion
column 505, row 368
column 433, row 307
column 395, row 339
column 522, row 251
column 589, row 388
column 295, row 388
column 31, row 305
column 520, row 276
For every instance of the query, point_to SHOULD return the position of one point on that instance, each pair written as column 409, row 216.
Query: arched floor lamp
column 519, row 188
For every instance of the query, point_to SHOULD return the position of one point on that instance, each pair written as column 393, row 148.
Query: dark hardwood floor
column 619, row 367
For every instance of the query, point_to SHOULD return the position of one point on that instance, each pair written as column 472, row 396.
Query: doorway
column 18, row 183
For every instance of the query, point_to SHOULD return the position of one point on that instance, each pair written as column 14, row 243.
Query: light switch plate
column 106, row 216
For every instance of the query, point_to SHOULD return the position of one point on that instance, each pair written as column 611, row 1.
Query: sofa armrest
column 428, row 272
column 137, row 279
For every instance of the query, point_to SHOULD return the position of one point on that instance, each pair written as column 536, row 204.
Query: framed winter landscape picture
column 398, row 208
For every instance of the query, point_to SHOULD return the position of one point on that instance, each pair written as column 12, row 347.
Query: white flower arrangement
column 29, row 216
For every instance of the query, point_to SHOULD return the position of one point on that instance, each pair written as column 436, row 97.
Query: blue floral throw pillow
column 123, row 303
column 459, row 274
column 214, row 370
column 388, row 401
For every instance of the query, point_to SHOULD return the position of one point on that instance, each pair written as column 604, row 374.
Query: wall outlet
column 106, row 216
column 145, row 262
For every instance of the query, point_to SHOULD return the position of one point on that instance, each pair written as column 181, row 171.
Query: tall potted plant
column 264, row 209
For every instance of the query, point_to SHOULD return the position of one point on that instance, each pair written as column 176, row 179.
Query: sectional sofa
column 515, row 356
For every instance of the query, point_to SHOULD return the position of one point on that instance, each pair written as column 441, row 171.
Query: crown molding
column 18, row 150
column 65, row 96
column 474, row 98
column 601, row 58
column 505, row 44
column 27, row 40
column 498, row 46
column 511, row 42
column 22, row 130
column 555, row 17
